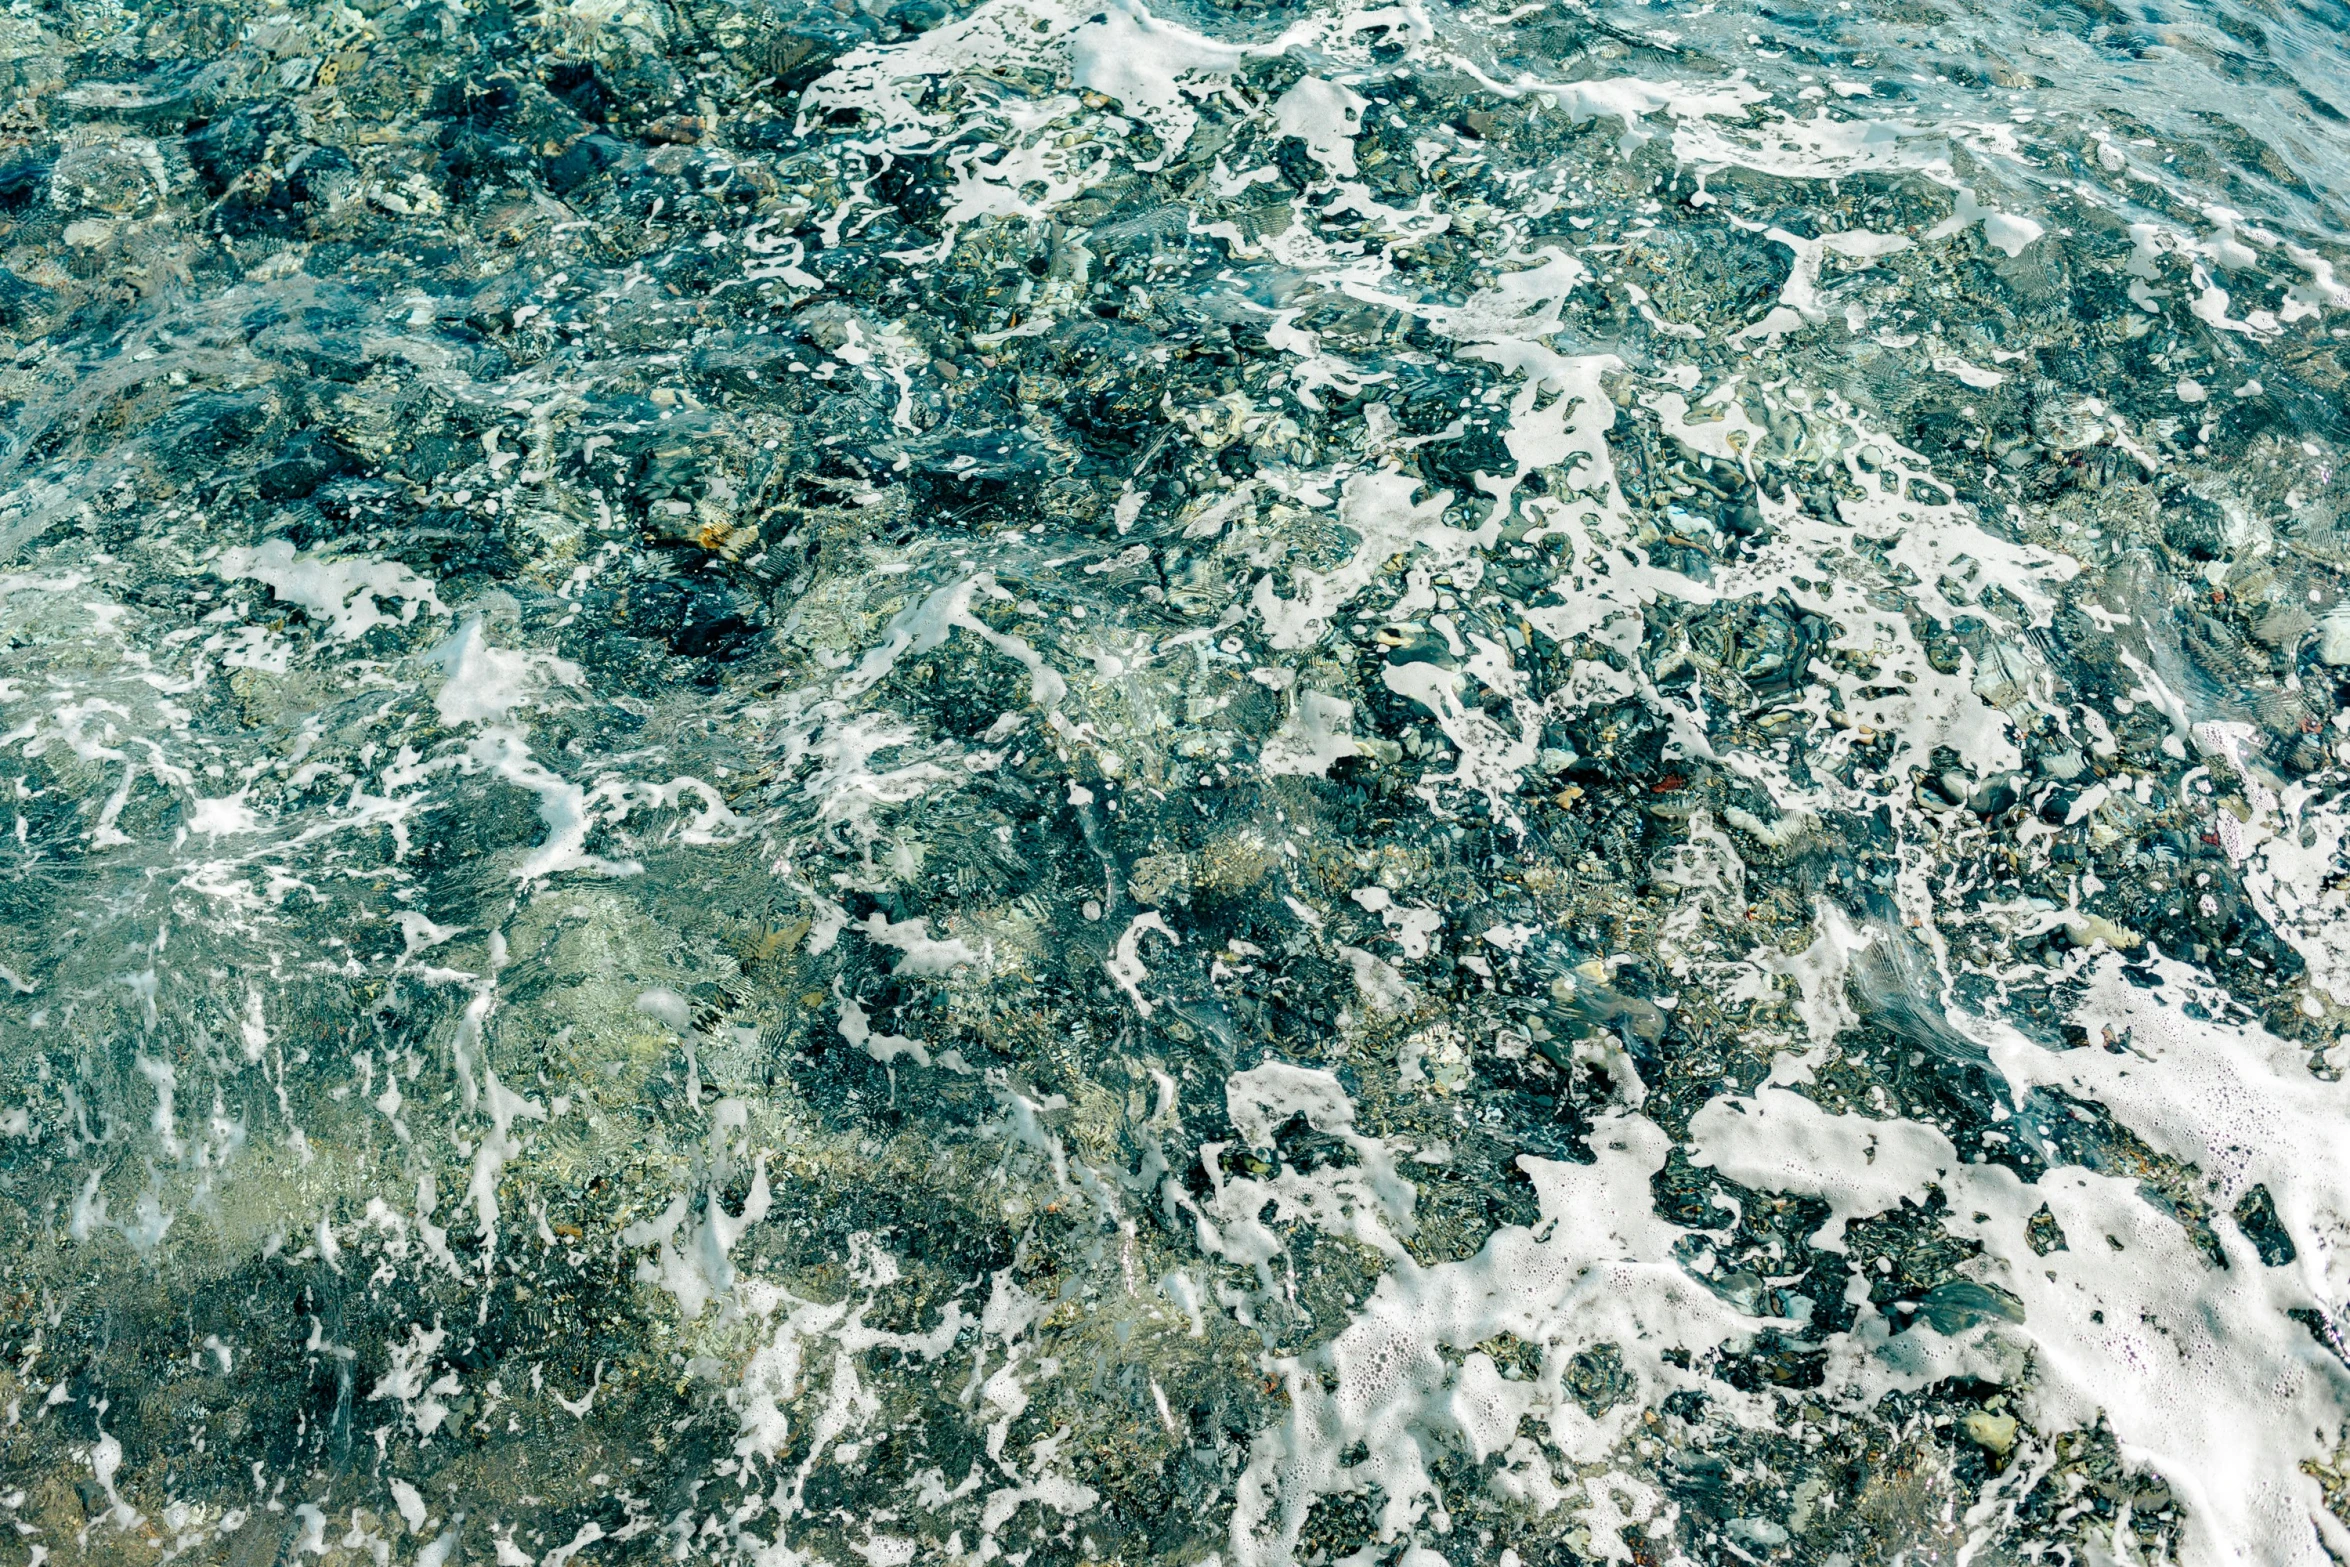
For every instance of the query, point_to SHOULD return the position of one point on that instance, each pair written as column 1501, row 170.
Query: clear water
column 1263, row 785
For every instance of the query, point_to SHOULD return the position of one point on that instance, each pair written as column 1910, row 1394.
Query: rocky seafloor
column 1407, row 785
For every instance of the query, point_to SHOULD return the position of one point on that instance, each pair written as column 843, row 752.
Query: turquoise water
column 1269, row 784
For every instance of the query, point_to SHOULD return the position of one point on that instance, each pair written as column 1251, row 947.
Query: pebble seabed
column 1395, row 785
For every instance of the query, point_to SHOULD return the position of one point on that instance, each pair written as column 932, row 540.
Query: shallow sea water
column 1407, row 785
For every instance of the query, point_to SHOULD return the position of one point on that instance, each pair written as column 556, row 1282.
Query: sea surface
column 1406, row 784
